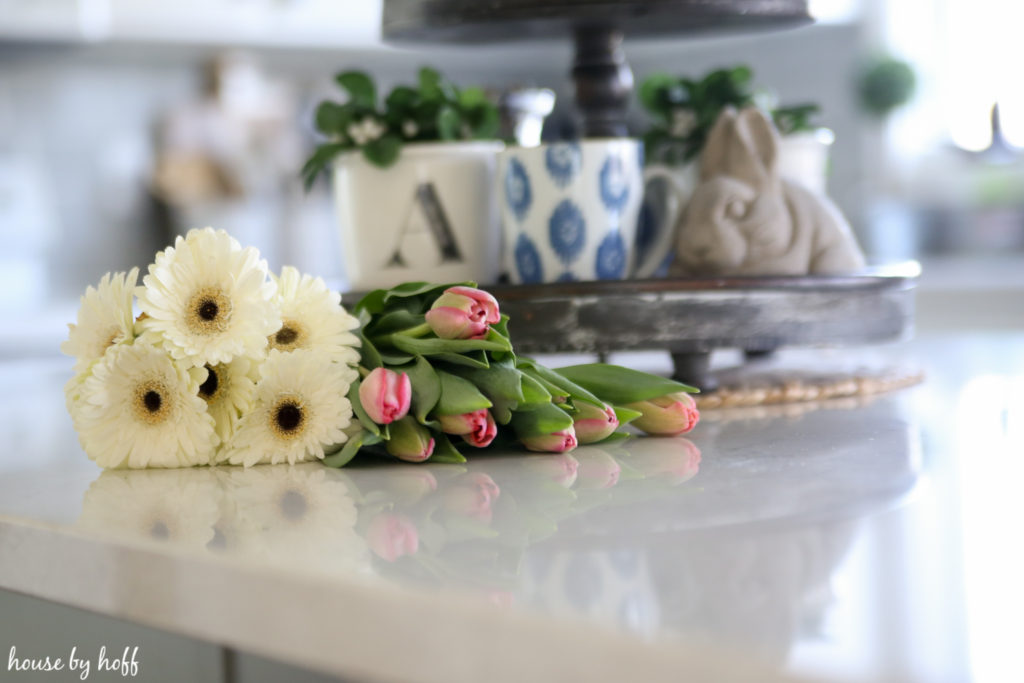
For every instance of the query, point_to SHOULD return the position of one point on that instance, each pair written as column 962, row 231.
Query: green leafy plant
column 684, row 111
column 434, row 110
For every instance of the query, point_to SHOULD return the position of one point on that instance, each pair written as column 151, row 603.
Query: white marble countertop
column 859, row 540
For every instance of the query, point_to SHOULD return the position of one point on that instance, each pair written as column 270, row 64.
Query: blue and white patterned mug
column 570, row 212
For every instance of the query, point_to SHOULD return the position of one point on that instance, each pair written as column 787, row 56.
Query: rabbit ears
column 742, row 145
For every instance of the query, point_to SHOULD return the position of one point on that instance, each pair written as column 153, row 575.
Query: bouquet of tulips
column 438, row 373
column 216, row 360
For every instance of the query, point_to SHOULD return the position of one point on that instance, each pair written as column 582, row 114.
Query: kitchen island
column 864, row 539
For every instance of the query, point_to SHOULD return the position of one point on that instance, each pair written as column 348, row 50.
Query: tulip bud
column 390, row 536
column 410, row 441
column 592, row 424
column 463, row 313
column 667, row 415
column 556, row 442
column 476, row 428
column 385, row 395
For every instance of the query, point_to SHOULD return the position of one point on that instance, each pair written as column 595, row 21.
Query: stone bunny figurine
column 743, row 219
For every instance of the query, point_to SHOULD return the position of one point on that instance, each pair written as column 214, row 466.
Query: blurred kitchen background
column 124, row 121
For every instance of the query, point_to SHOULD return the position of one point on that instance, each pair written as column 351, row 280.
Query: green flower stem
column 415, row 332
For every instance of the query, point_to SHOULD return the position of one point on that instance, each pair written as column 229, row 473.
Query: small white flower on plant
column 208, row 300
column 683, row 122
column 367, row 130
column 229, row 390
column 409, row 128
column 104, row 319
column 300, row 407
column 312, row 317
column 139, row 409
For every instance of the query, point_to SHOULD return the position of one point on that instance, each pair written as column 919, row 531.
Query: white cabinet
column 271, row 23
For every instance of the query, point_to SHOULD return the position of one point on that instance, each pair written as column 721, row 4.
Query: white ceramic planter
column 431, row 216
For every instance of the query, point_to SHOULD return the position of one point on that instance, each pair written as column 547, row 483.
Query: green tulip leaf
column 426, row 388
column 430, row 346
column 546, row 419
column 445, row 451
column 618, row 385
column 459, row 396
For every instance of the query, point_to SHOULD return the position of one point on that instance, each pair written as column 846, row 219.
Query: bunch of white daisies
column 225, row 363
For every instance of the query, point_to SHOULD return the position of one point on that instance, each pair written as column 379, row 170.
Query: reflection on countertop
column 867, row 540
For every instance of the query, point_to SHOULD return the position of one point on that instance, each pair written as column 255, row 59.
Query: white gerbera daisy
column 312, row 317
column 229, row 389
column 105, row 318
column 208, row 300
column 141, row 409
column 300, row 408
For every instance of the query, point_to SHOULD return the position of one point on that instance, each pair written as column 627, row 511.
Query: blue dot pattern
column 528, row 261
column 614, row 181
column 611, row 258
column 563, row 161
column 567, row 231
column 517, row 189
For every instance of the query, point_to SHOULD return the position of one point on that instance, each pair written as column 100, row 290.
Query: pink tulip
column 476, row 428
column 592, row 424
column 463, row 313
column 385, row 395
column 556, row 442
column 391, row 536
column 410, row 441
column 667, row 415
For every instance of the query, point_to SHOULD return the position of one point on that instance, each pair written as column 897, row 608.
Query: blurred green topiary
column 885, row 85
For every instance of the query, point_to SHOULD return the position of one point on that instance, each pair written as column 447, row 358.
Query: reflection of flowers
column 567, row 231
column 517, row 189
column 673, row 458
column 392, row 536
column 472, row 496
column 178, row 507
column 597, row 469
column 302, row 515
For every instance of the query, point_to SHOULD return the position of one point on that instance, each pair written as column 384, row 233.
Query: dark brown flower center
column 288, row 417
column 208, row 310
column 286, row 336
column 208, row 389
column 152, row 401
